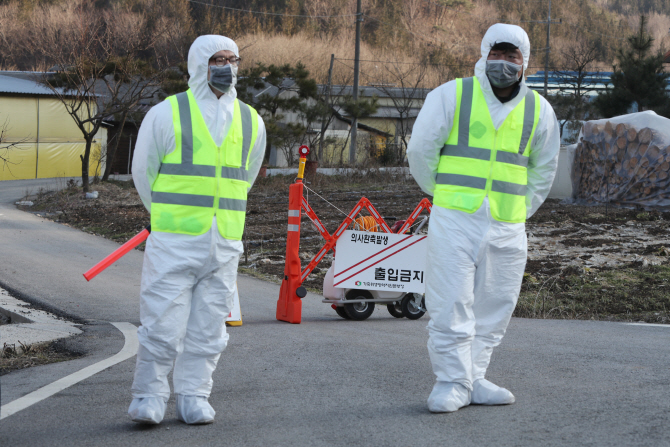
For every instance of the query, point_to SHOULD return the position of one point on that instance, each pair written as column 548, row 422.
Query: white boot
column 486, row 393
column 147, row 410
column 448, row 397
column 194, row 410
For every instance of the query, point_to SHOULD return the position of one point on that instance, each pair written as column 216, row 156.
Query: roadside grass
column 49, row 200
column 14, row 357
column 117, row 213
column 621, row 294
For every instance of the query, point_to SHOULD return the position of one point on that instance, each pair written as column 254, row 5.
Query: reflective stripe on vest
column 484, row 161
column 199, row 180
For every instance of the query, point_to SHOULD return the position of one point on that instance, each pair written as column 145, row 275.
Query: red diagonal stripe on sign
column 378, row 253
column 372, row 265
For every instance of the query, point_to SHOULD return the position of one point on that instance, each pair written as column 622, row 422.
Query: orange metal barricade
column 289, row 305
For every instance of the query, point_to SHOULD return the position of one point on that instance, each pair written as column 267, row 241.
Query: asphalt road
column 327, row 381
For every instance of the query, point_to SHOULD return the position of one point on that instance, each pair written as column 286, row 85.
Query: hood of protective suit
column 498, row 33
column 199, row 54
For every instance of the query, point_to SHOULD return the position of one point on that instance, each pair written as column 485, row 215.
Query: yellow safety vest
column 199, row 180
column 478, row 160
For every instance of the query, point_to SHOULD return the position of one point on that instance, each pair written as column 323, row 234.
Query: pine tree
column 639, row 78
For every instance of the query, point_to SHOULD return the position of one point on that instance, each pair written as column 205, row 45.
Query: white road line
column 129, row 349
column 648, row 324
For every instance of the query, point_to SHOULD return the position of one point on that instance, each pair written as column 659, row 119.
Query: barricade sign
column 235, row 315
column 393, row 262
column 380, row 261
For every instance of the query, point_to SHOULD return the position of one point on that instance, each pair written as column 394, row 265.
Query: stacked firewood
column 619, row 163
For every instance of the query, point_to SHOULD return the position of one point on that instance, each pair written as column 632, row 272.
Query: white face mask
column 502, row 74
column 222, row 78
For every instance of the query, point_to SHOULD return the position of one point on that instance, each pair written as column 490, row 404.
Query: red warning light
column 303, row 150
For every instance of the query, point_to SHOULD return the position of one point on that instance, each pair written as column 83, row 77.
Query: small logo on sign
column 358, row 283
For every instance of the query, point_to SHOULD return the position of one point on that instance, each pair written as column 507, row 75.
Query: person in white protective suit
column 486, row 148
column 196, row 157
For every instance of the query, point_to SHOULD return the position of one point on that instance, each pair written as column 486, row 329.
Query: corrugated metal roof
column 381, row 92
column 343, row 90
column 567, row 80
column 21, row 86
column 385, row 112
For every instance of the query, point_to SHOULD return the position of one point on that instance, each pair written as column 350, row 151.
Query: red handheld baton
column 118, row 253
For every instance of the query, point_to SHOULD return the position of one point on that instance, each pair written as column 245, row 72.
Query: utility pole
column 357, row 56
column 546, row 57
column 323, row 120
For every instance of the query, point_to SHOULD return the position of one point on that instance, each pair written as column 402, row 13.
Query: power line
column 432, row 65
column 406, row 63
column 518, row 1
column 269, row 13
column 361, row 71
column 481, row 19
column 592, row 32
column 397, row 63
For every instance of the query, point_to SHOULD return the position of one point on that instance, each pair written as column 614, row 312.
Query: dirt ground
column 584, row 262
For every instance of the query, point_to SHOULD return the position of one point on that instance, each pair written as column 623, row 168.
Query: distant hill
column 441, row 36
column 447, row 31
column 637, row 6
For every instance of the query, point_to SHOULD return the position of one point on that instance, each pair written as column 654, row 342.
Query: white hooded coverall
column 475, row 263
column 188, row 282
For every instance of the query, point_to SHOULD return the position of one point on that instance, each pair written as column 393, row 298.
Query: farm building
column 45, row 142
column 390, row 126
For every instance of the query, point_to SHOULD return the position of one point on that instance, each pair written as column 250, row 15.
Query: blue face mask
column 502, row 74
column 222, row 78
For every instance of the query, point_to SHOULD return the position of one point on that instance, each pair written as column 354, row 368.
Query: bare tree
column 7, row 146
column 319, row 10
column 577, row 60
column 411, row 12
column 326, row 118
column 576, row 77
column 329, row 96
column 99, row 73
column 404, row 88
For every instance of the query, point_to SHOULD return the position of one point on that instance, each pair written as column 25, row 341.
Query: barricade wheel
column 342, row 313
column 395, row 309
column 409, row 307
column 359, row 311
